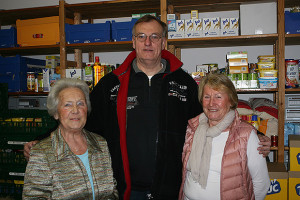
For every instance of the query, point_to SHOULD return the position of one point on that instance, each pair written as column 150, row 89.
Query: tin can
column 30, row 81
column 274, row 141
column 291, row 73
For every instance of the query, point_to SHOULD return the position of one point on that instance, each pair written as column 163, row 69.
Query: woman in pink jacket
column 220, row 157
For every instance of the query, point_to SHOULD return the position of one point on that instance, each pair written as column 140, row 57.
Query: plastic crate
column 88, row 33
column 3, row 97
column 292, row 22
column 122, row 31
column 13, row 71
column 8, row 38
column 21, row 126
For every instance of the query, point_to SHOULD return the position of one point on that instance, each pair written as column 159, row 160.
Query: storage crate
column 8, row 38
column 39, row 31
column 21, row 126
column 292, row 22
column 3, row 97
column 122, row 31
column 88, row 33
column 13, row 71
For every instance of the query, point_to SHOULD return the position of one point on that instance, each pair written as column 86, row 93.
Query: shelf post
column 281, row 86
column 78, row 52
column 62, row 43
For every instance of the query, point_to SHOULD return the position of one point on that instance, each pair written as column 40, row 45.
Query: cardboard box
column 193, row 28
column 180, row 26
column 294, row 185
column 294, row 152
column 46, row 79
column 229, row 26
column 52, row 61
column 238, row 62
column 194, row 14
column 279, row 182
column 238, row 69
column 258, row 18
column 74, row 73
column 39, row 31
column 211, row 27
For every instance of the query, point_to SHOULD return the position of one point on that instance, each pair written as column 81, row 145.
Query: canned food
column 30, row 81
column 292, row 73
column 274, row 141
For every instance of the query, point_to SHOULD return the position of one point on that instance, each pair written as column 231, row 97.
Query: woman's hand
column 27, row 148
column 265, row 145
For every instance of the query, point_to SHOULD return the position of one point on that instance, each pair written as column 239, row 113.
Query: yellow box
column 238, row 62
column 39, row 31
column 279, row 182
column 294, row 185
column 238, row 69
column 268, row 73
column 294, row 152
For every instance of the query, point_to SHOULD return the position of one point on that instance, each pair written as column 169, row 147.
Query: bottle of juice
column 97, row 71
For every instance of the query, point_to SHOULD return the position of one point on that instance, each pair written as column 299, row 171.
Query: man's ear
column 133, row 42
column 164, row 42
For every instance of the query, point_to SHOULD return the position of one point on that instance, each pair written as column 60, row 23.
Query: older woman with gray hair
column 220, row 157
column 72, row 163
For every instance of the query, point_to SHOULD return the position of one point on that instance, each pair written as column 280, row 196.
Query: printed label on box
column 189, row 25
column 277, row 189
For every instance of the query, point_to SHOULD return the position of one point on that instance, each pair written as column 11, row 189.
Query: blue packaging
column 8, row 38
column 13, row 70
column 288, row 130
column 88, row 33
column 292, row 22
column 122, row 31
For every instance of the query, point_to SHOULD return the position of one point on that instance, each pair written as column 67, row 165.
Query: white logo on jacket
column 177, row 90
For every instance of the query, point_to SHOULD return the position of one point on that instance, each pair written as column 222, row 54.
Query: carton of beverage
column 74, row 73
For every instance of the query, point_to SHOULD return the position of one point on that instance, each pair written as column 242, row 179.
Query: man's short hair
column 149, row 18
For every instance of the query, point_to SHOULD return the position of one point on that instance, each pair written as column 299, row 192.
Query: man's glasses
column 142, row 37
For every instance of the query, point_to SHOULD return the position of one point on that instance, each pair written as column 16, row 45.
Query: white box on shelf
column 211, row 27
column 180, row 25
column 74, row 73
column 258, row 18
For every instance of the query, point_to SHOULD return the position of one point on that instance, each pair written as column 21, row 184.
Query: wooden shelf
column 101, row 47
column 244, row 40
column 9, row 17
column 30, row 50
column 207, row 5
column 292, row 39
column 292, row 90
column 257, row 90
column 27, row 93
column 113, row 9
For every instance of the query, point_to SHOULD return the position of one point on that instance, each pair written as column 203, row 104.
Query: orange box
column 39, row 31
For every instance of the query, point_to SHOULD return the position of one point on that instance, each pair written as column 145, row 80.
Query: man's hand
column 265, row 145
column 194, row 123
column 27, row 148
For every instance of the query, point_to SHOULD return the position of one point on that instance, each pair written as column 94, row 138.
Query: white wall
column 190, row 57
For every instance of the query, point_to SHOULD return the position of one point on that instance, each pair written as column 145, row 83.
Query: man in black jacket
column 142, row 109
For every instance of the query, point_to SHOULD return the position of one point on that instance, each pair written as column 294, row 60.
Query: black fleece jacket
column 178, row 103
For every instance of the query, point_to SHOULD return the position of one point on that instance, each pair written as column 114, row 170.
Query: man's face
column 149, row 50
